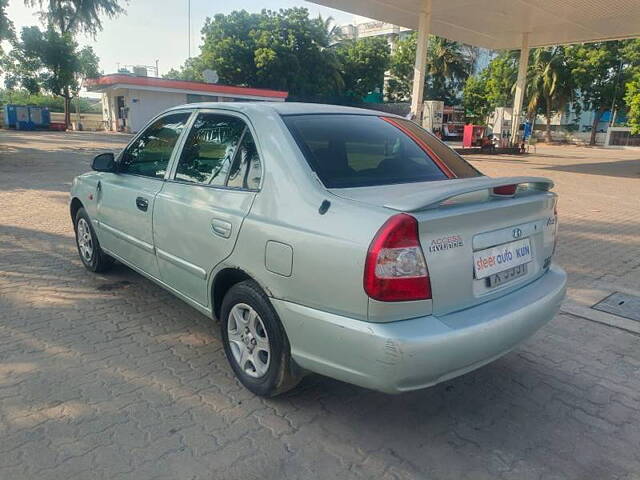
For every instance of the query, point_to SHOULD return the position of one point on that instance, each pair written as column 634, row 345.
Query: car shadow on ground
column 619, row 168
column 96, row 360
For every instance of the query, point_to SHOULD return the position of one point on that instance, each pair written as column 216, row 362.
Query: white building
column 363, row 28
column 129, row 101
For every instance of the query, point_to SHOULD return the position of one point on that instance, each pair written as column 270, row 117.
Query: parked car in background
column 326, row 239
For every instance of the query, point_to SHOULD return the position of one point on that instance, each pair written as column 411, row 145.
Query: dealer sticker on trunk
column 500, row 258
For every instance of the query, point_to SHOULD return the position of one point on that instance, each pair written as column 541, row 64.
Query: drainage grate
column 622, row 305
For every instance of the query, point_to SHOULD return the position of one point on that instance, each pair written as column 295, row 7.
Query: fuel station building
column 130, row 101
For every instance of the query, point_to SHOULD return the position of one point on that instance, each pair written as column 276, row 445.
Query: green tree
column 54, row 104
column 402, row 62
column 632, row 99
column 631, row 54
column 190, row 71
column 491, row 88
column 332, row 29
column 630, row 51
column 501, row 75
column 6, row 25
column 76, row 16
column 474, row 99
column 50, row 61
column 448, row 67
column 362, row 64
column 284, row 50
column 549, row 83
column 599, row 71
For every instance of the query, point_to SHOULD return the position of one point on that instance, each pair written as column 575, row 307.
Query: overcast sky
column 157, row 29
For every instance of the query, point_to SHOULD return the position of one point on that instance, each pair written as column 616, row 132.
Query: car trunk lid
column 464, row 221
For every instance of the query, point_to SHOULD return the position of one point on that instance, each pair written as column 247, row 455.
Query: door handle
column 222, row 228
column 142, row 203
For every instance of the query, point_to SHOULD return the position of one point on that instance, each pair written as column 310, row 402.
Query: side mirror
column 105, row 162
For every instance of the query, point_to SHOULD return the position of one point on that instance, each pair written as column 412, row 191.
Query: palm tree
column 330, row 35
column 549, row 85
column 6, row 25
column 448, row 67
column 332, row 32
column 73, row 16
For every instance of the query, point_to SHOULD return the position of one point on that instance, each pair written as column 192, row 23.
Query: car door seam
column 180, row 262
column 126, row 237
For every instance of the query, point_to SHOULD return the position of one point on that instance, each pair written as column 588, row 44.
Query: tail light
column 395, row 268
column 505, row 190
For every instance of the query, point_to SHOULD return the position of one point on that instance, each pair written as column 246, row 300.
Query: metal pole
column 419, row 71
column 189, row 26
column 521, row 85
column 78, row 111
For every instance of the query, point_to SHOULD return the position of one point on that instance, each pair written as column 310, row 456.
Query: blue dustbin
column 10, row 116
column 28, row 125
column 39, row 117
column 46, row 118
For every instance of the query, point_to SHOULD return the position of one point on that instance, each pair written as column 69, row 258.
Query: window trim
column 171, row 173
column 423, row 146
column 176, row 147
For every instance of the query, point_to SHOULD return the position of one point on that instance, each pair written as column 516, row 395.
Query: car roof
column 281, row 108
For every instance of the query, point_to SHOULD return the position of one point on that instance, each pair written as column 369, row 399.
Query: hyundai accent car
column 340, row 241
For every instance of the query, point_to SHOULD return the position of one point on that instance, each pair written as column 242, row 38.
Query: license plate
column 503, row 257
column 501, row 278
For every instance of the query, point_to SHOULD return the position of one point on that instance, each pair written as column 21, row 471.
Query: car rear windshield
column 366, row 150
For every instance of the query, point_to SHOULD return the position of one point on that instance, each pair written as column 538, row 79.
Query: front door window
column 150, row 153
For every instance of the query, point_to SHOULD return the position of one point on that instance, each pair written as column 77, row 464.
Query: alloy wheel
column 85, row 240
column 248, row 340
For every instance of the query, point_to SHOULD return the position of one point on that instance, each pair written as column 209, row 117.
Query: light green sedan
column 326, row 239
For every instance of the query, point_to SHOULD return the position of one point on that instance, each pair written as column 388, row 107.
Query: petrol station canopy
column 499, row 24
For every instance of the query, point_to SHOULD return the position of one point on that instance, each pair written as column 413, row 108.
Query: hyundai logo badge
column 517, row 233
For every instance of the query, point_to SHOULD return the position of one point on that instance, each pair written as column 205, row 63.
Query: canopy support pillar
column 521, row 85
column 424, row 29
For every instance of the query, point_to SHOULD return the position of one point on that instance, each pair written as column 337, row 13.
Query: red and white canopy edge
column 120, row 80
column 501, row 24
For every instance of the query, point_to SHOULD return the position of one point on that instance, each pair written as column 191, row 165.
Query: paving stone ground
column 110, row 377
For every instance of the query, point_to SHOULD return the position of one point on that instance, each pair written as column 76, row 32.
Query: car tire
column 255, row 342
column 92, row 256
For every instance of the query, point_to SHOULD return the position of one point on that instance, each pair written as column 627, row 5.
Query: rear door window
column 365, row 150
column 246, row 171
column 210, row 149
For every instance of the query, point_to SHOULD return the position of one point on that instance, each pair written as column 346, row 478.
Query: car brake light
column 505, row 190
column 395, row 269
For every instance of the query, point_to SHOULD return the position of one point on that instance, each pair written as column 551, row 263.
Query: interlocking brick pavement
column 109, row 376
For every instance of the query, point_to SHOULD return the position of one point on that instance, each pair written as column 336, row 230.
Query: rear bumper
column 412, row 354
